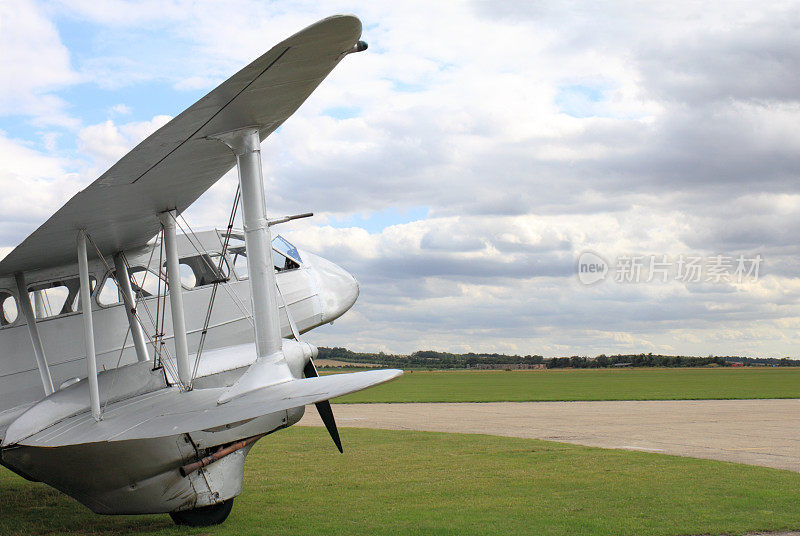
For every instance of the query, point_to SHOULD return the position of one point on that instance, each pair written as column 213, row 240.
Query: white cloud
column 34, row 62
column 107, row 142
column 34, row 185
column 683, row 139
column 120, row 109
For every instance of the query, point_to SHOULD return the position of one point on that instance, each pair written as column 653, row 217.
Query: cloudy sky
column 461, row 166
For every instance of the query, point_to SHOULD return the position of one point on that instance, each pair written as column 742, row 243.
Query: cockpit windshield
column 281, row 245
column 284, row 255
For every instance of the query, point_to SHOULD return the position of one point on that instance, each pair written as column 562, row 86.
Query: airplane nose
column 338, row 289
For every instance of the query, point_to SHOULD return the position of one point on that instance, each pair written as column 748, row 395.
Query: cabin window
column 239, row 261
column 188, row 279
column 237, row 254
column 109, row 293
column 8, row 309
column 146, row 282
column 57, row 297
column 202, row 270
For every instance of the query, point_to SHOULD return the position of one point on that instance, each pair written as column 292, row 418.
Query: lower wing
column 170, row 411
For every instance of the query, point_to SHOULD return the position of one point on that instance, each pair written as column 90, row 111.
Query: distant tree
column 431, row 359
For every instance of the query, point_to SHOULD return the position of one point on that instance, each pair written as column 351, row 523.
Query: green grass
column 585, row 384
column 391, row 482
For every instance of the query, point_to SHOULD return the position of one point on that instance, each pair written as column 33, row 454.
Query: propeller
column 324, row 408
column 310, row 371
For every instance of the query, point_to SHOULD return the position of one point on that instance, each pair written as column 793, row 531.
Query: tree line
column 445, row 360
column 428, row 359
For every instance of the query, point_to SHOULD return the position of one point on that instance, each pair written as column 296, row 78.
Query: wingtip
column 346, row 21
column 390, row 374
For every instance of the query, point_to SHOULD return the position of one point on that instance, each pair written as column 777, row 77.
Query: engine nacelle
column 297, row 355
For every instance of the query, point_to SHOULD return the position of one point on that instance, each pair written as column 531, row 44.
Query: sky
column 553, row 178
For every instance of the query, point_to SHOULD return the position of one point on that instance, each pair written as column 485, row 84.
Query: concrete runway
column 756, row 432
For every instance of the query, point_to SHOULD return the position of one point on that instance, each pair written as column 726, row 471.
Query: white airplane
column 130, row 409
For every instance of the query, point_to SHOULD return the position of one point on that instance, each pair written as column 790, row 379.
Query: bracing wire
column 157, row 360
column 159, row 334
column 140, row 299
column 163, row 304
column 48, row 307
column 193, row 239
column 114, row 275
column 224, row 252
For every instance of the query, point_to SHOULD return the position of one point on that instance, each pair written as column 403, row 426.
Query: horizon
column 594, row 356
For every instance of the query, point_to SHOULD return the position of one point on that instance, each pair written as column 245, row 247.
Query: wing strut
column 88, row 326
column 246, row 144
column 124, row 283
column 33, row 331
column 270, row 365
column 176, row 297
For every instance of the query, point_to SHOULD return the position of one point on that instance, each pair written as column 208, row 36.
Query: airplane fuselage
column 316, row 292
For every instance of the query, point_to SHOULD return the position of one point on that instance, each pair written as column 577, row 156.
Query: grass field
column 449, row 484
column 585, row 384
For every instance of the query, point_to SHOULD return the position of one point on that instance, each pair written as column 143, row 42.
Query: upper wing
column 177, row 163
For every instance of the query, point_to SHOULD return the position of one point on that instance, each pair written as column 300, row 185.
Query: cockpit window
column 284, row 255
column 281, row 245
column 57, row 297
column 282, row 262
column 8, row 309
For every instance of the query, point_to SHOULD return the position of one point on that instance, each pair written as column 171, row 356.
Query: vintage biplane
column 130, row 408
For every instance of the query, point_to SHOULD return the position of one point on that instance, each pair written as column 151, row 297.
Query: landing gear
column 204, row 516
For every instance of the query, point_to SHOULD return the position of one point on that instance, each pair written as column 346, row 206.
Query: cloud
column 34, row 185
column 34, row 64
column 530, row 132
column 121, row 109
column 107, row 142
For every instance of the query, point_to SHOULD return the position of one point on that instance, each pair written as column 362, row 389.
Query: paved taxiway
column 756, row 432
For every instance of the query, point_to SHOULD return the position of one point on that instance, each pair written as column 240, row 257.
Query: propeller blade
column 324, row 408
column 310, row 371
column 325, row 411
